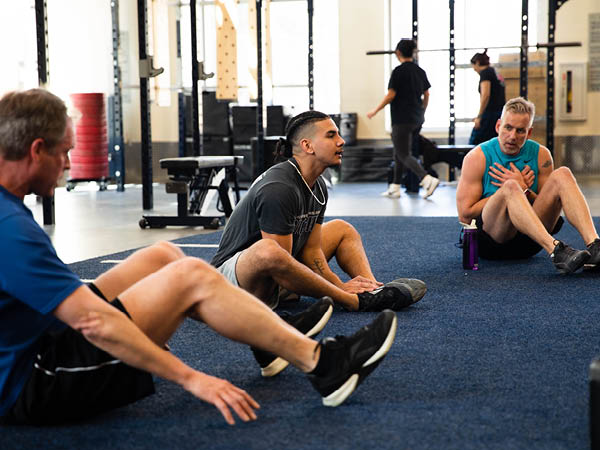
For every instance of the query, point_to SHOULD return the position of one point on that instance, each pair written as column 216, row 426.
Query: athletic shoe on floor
column 416, row 287
column 566, row 259
column 309, row 322
column 393, row 191
column 594, row 262
column 430, row 184
column 393, row 297
column 346, row 361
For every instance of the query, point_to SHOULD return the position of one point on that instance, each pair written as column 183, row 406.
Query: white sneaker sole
column 432, row 187
column 279, row 364
column 338, row 397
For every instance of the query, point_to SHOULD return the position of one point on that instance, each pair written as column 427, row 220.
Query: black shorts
column 72, row 379
column 519, row 247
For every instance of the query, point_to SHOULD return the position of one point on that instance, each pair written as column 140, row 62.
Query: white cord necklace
column 308, row 187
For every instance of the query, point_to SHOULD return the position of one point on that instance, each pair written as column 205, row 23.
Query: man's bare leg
column 265, row 263
column 190, row 287
column 136, row 267
column 561, row 193
column 340, row 239
column 509, row 211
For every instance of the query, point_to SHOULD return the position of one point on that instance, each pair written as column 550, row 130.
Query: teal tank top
column 528, row 156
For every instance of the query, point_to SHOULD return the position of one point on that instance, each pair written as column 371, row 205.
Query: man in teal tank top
column 510, row 187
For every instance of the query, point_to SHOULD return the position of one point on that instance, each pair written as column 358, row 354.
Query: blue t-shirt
column 33, row 282
column 528, row 156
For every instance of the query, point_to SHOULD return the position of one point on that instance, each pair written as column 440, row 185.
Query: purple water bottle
column 470, row 254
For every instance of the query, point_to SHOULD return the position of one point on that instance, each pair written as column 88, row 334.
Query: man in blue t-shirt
column 509, row 186
column 70, row 350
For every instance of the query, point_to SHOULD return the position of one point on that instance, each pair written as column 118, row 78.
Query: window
column 478, row 24
column 289, row 51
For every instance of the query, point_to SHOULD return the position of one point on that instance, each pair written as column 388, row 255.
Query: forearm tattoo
column 318, row 266
column 547, row 164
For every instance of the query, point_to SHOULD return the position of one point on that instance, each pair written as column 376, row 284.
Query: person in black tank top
column 491, row 99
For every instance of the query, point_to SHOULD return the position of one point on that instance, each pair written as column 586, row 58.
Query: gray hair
column 26, row 116
column 519, row 105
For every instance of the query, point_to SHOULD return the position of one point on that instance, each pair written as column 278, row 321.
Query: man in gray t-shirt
column 276, row 236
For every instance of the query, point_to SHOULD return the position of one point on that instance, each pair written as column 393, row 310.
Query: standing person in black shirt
column 491, row 99
column 408, row 96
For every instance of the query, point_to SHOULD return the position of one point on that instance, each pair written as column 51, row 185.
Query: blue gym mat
column 493, row 359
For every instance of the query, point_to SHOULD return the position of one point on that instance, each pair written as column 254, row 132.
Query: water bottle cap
column 471, row 226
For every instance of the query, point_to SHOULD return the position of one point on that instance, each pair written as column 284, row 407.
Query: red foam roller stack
column 89, row 158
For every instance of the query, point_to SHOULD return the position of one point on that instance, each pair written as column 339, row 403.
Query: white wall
column 572, row 22
column 362, row 77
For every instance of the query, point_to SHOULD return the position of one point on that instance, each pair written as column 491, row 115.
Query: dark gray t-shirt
column 278, row 202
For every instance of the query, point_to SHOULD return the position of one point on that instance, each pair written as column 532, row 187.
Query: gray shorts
column 227, row 269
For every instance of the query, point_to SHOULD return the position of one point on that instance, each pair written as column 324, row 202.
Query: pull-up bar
column 542, row 45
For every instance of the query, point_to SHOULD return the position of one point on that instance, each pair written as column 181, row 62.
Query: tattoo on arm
column 318, row 266
column 547, row 164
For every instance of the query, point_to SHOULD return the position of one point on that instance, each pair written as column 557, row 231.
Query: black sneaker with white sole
column 345, row 362
column 594, row 262
column 416, row 287
column 568, row 260
column 309, row 322
column 394, row 297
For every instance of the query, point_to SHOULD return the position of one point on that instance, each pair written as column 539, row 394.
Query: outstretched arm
column 470, row 187
column 111, row 330
column 387, row 99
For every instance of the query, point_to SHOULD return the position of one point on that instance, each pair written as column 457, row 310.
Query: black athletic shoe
column 309, row 322
column 393, row 297
column 566, row 259
column 594, row 262
column 416, row 287
column 346, row 361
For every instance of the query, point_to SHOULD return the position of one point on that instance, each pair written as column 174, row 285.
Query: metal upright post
column 452, row 126
column 524, row 49
column 552, row 7
column 195, row 78
column 311, row 82
column 181, row 93
column 117, row 147
column 260, row 132
column 147, row 199
column 41, row 27
column 415, row 25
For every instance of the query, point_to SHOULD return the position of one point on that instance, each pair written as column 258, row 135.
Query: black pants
column 404, row 136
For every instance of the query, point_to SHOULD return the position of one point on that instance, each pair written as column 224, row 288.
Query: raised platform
column 369, row 159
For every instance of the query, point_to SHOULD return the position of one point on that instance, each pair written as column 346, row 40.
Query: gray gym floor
column 91, row 223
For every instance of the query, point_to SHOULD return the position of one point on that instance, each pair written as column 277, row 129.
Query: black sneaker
column 566, row 259
column 309, row 322
column 349, row 360
column 416, row 287
column 394, row 297
column 594, row 262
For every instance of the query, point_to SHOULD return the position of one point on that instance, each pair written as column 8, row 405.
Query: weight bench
column 191, row 178
column 453, row 155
